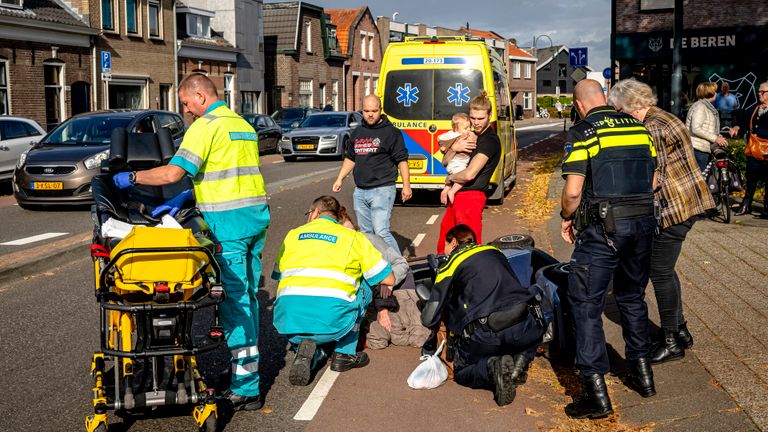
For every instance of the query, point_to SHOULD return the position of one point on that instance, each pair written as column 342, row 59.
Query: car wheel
column 344, row 145
column 512, row 241
column 289, row 158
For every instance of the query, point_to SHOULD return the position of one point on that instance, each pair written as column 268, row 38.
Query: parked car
column 59, row 168
column 320, row 134
column 289, row 118
column 268, row 131
column 17, row 134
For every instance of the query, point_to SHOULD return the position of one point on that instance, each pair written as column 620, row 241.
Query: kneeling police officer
column 494, row 323
column 609, row 169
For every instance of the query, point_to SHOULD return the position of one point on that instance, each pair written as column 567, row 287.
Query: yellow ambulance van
column 424, row 81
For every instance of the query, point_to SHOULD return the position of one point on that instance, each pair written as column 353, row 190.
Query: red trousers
column 467, row 208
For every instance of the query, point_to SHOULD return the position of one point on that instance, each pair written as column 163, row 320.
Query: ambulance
column 424, row 81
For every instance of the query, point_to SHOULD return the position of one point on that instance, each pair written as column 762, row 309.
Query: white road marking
column 33, row 239
column 432, row 219
column 312, row 404
column 419, row 238
column 540, row 126
column 278, row 161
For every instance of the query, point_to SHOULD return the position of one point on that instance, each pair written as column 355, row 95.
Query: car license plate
column 305, row 147
column 416, row 164
column 47, row 185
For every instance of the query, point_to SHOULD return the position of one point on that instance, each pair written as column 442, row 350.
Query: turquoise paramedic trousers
column 346, row 341
column 240, row 262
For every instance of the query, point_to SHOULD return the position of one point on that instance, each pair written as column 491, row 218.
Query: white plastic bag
column 430, row 373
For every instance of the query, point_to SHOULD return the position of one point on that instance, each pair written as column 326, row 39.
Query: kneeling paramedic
column 320, row 298
column 609, row 174
column 494, row 323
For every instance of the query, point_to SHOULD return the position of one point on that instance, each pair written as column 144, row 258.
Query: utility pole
column 677, row 67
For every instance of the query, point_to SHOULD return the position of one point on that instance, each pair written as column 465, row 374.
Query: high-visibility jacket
column 320, row 267
column 220, row 150
column 616, row 154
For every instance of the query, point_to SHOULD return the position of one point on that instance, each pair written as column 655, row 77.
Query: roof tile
column 343, row 19
column 44, row 10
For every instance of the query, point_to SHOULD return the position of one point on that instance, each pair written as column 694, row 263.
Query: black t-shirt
column 376, row 150
column 488, row 144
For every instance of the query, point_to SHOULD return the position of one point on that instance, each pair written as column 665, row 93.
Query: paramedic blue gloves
column 173, row 205
column 124, row 180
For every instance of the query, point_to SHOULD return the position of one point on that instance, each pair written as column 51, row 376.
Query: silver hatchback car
column 323, row 134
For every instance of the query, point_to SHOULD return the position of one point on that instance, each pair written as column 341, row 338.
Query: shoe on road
column 520, row 369
column 245, row 403
column 301, row 369
column 500, row 371
column 667, row 349
column 344, row 362
column 640, row 377
column 594, row 402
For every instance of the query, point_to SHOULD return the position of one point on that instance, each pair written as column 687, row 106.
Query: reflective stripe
column 375, row 270
column 209, row 117
column 320, row 273
column 227, row 173
column 448, row 270
column 246, row 352
column 315, row 292
column 246, row 369
column 189, row 157
column 232, row 204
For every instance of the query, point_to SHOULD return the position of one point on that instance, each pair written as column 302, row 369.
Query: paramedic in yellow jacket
column 220, row 151
column 320, row 298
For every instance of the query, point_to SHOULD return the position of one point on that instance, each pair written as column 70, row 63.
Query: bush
column 549, row 101
column 735, row 151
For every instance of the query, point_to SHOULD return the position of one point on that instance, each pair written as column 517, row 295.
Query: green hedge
column 735, row 151
column 549, row 101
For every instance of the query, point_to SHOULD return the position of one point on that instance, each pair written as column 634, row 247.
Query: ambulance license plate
column 47, row 185
column 416, row 164
column 305, row 147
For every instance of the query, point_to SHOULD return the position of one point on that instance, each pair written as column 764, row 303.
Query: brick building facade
column 721, row 43
column 303, row 63
column 521, row 68
column 360, row 41
column 140, row 36
column 45, row 62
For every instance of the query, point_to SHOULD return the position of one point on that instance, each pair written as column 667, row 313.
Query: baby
column 461, row 131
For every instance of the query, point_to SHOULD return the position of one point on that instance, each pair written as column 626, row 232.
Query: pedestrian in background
column 469, row 202
column 609, row 171
column 703, row 122
column 559, row 108
column 328, row 105
column 220, row 151
column 754, row 126
column 376, row 154
column 683, row 195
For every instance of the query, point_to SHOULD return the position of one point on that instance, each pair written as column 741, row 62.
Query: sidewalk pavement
column 722, row 384
column 34, row 260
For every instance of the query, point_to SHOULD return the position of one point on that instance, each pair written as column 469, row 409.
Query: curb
column 34, row 260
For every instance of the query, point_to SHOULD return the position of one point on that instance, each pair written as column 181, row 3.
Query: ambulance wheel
column 209, row 425
column 512, row 241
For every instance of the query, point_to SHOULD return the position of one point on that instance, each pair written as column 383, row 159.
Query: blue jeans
column 373, row 208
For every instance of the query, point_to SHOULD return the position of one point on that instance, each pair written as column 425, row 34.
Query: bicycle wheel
column 725, row 202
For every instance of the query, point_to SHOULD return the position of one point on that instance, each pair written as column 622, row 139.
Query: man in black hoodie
column 376, row 153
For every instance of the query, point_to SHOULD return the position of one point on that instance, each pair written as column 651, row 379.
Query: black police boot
column 594, row 401
column 520, row 369
column 640, row 377
column 246, row 403
column 667, row 349
column 344, row 362
column 683, row 336
column 500, row 373
column 745, row 208
column 301, row 369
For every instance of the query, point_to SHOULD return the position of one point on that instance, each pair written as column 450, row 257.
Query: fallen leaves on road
column 535, row 204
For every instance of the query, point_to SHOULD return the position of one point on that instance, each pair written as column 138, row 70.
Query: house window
column 375, row 85
column 516, row 69
column 305, row 93
column 367, row 84
column 308, row 29
column 322, row 95
column 127, row 93
column 527, row 100
column 198, row 25
column 335, row 93
column 154, row 18
column 229, row 90
column 362, row 46
column 54, row 108
column 249, row 102
column 333, row 41
column 4, row 108
column 527, row 70
column 11, row 3
column 107, row 15
column 165, row 97
column 370, row 47
column 132, row 16
column 546, row 83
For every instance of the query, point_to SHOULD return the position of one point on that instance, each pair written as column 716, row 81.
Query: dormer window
column 198, row 25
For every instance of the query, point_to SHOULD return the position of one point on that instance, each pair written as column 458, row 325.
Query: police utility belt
column 604, row 213
column 503, row 319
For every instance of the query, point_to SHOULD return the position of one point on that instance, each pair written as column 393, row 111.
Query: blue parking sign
column 106, row 61
column 577, row 57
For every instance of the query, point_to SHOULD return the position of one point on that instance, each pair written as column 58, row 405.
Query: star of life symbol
column 458, row 94
column 407, row 95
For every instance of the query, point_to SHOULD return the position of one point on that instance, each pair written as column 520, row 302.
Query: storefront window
column 126, row 95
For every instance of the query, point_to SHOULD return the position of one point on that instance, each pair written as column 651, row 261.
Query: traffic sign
column 578, row 75
column 106, row 61
column 106, row 76
column 577, row 57
column 607, row 73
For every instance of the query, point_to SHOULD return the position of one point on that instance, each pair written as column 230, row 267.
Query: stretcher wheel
column 101, row 428
column 512, row 241
column 209, row 425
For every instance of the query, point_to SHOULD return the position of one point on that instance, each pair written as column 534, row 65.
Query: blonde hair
column 706, row 90
column 459, row 118
column 481, row 102
column 631, row 95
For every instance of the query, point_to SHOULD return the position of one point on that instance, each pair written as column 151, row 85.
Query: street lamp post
column 554, row 56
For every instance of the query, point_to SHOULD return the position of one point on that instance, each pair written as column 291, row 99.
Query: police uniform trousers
column 472, row 354
column 240, row 262
column 593, row 264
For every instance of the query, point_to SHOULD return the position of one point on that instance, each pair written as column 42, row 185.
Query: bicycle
column 719, row 167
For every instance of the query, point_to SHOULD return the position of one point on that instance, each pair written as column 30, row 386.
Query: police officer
column 609, row 171
column 493, row 321
column 320, row 298
column 220, row 151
